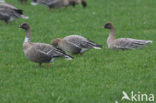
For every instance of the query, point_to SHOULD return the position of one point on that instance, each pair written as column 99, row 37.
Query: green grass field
column 99, row 76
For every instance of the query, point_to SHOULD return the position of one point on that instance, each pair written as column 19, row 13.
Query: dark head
column 108, row 26
column 84, row 3
column 24, row 26
column 56, row 42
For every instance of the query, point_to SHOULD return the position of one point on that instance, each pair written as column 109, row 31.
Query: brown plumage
column 40, row 52
column 123, row 43
column 75, row 44
column 55, row 4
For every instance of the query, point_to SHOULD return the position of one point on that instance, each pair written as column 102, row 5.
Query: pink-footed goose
column 75, row 44
column 123, row 43
column 40, row 52
column 9, row 13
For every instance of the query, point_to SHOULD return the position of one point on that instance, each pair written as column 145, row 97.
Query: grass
column 99, row 76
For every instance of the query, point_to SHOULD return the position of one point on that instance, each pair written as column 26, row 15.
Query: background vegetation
column 99, row 76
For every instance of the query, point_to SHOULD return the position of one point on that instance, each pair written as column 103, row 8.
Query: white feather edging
column 24, row 17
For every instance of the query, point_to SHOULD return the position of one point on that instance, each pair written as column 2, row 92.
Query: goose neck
column 28, row 36
column 112, row 33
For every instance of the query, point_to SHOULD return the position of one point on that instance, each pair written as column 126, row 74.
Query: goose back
column 77, row 44
column 42, row 53
column 128, row 43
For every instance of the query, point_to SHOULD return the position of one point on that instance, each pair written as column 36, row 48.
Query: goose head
column 56, row 42
column 108, row 26
column 24, row 26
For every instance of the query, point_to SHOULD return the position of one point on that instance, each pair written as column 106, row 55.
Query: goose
column 40, row 52
column 9, row 13
column 75, row 44
column 123, row 43
column 55, row 4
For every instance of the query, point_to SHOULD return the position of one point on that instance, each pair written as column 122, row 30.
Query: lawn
column 98, row 76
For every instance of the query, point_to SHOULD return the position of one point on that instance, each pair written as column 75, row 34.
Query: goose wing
column 128, row 43
column 47, row 2
column 77, row 41
column 6, row 5
column 48, row 50
column 71, row 47
column 4, row 15
column 82, row 42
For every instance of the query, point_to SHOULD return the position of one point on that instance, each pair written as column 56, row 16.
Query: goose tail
column 24, row 17
column 19, row 11
column 148, row 41
column 98, row 46
column 68, row 57
column 95, row 45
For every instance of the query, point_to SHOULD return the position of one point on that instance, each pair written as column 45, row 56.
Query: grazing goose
column 40, row 52
column 55, row 4
column 9, row 13
column 75, row 44
column 123, row 43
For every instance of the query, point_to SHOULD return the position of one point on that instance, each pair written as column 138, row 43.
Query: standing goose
column 123, row 43
column 55, row 4
column 40, row 52
column 9, row 13
column 75, row 44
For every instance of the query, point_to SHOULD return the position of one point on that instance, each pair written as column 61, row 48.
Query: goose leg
column 40, row 64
